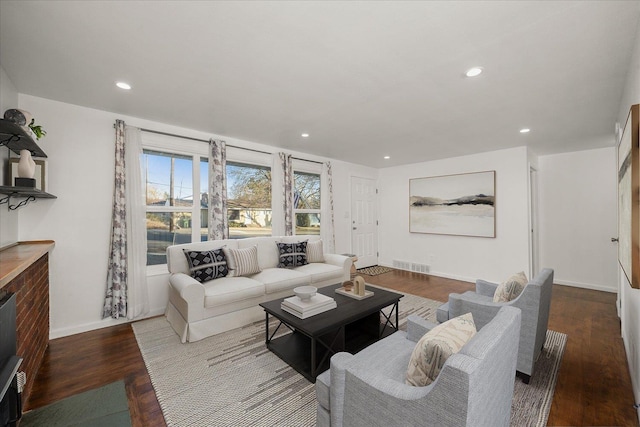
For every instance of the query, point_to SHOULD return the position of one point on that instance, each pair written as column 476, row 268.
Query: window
column 248, row 200
column 172, row 215
column 306, row 202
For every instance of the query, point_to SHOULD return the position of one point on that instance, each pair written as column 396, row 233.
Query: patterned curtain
column 115, row 304
column 218, row 222
column 287, row 195
column 328, row 227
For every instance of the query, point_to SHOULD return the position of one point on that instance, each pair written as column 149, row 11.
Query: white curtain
column 327, row 231
column 137, row 292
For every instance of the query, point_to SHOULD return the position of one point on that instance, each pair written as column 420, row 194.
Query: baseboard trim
column 436, row 273
column 92, row 326
column 592, row 286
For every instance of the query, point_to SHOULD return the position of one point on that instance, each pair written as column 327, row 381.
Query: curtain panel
column 287, row 192
column 217, row 199
column 327, row 231
column 115, row 304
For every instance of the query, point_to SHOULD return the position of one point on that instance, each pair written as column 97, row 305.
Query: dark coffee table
column 351, row 326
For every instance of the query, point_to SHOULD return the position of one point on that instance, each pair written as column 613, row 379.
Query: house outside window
column 306, row 202
column 248, row 200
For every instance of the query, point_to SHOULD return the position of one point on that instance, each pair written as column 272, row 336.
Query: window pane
column 307, row 223
column 307, row 191
column 168, row 179
column 248, row 200
column 165, row 229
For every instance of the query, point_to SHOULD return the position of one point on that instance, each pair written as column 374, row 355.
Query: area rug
column 231, row 379
column 104, row 406
column 374, row 270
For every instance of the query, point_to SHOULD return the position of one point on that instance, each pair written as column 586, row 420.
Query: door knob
column 614, row 239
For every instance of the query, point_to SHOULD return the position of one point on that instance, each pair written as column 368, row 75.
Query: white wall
column 629, row 297
column 80, row 146
column 460, row 257
column 8, row 219
column 577, row 200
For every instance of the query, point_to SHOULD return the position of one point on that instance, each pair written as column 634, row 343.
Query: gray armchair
column 534, row 301
column 474, row 387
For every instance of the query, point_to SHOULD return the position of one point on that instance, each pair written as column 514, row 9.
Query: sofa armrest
column 417, row 327
column 341, row 261
column 486, row 288
column 187, row 295
column 481, row 307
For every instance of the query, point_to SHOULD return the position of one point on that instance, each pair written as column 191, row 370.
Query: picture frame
column 460, row 204
column 40, row 174
column 629, row 198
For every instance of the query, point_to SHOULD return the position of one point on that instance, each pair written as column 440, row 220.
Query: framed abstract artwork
column 629, row 198
column 462, row 204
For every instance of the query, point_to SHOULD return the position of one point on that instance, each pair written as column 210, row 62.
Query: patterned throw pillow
column 207, row 265
column 245, row 261
column 315, row 252
column 511, row 288
column 435, row 347
column 292, row 254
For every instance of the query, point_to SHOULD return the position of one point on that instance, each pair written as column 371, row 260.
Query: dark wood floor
column 593, row 388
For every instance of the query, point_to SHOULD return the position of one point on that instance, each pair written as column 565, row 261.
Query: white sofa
column 198, row 310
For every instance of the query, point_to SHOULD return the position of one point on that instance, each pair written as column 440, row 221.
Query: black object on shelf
column 27, row 193
column 15, row 137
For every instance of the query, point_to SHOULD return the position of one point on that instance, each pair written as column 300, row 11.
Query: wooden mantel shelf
column 17, row 258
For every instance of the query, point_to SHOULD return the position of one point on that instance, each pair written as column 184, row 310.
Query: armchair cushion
column 511, row 288
column 436, row 346
column 207, row 265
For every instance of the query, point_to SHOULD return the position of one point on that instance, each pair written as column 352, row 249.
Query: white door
column 364, row 224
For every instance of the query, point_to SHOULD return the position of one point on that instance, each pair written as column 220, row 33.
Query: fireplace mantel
column 17, row 258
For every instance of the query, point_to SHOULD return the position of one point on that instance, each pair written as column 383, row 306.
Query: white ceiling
column 365, row 79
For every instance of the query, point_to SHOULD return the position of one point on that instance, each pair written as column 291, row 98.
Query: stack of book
column 315, row 305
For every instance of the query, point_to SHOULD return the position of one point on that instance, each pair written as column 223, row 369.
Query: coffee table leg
column 313, row 357
column 266, row 327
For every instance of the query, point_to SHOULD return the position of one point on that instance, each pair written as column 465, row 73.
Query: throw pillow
column 315, row 251
column 436, row 346
column 245, row 261
column 292, row 254
column 511, row 288
column 207, row 265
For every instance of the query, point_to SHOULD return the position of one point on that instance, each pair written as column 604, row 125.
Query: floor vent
column 410, row 266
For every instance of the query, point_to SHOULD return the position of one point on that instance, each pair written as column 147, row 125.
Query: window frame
column 310, row 168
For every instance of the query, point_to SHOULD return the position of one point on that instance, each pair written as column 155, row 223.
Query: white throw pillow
column 315, row 251
column 245, row 261
column 436, row 346
column 511, row 288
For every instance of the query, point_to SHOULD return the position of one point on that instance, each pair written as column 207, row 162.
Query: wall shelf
column 16, row 138
column 26, row 193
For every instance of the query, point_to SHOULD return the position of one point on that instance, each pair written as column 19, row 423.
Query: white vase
column 26, row 165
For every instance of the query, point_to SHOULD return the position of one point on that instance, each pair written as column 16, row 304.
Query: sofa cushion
column 511, row 288
column 177, row 262
column 435, row 347
column 231, row 289
column 321, row 272
column 388, row 357
column 292, row 255
column 278, row 279
column 267, row 250
column 244, row 261
column 315, row 252
column 207, row 265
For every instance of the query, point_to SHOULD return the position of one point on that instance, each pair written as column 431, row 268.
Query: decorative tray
column 351, row 294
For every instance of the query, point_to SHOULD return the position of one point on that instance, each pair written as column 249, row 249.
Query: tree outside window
column 306, row 202
column 248, row 200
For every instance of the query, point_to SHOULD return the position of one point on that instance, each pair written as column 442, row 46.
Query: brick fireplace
column 24, row 272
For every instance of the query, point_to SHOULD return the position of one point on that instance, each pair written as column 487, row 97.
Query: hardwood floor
column 593, row 388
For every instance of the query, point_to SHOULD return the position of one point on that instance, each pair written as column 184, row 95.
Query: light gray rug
column 231, row 379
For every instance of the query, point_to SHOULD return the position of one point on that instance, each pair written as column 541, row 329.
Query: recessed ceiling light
column 387, row 157
column 305, row 135
column 525, row 130
column 473, row 72
column 123, row 85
